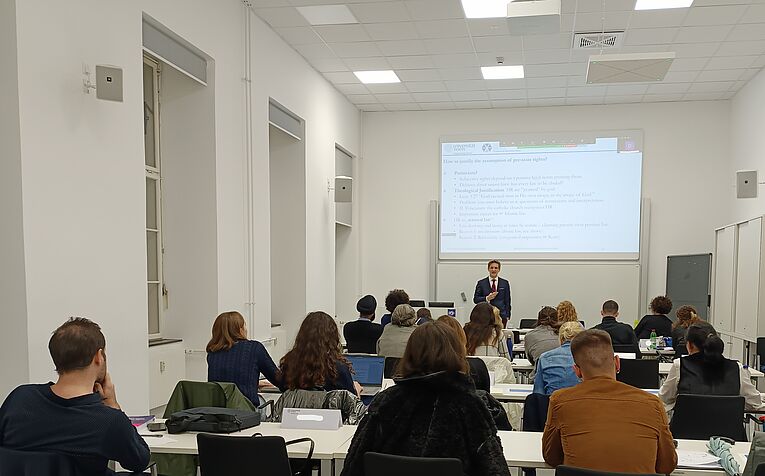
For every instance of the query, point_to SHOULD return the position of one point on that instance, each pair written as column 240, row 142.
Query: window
column 154, row 248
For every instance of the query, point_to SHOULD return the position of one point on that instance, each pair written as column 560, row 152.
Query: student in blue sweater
column 231, row 357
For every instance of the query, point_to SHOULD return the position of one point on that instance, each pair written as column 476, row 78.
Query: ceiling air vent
column 598, row 40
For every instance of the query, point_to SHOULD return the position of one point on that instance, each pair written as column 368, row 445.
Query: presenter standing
column 495, row 291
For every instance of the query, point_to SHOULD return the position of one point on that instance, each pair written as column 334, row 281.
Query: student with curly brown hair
column 393, row 299
column 658, row 321
column 686, row 317
column 566, row 312
column 316, row 361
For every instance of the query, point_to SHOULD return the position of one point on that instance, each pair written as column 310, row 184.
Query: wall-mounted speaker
column 343, row 189
column 746, row 184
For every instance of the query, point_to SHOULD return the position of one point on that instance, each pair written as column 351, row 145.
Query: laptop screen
column 368, row 368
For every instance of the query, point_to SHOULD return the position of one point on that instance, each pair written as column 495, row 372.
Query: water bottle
column 653, row 339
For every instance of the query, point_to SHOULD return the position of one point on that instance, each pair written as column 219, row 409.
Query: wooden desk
column 326, row 442
column 524, row 449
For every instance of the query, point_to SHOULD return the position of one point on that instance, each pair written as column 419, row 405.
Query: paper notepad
column 697, row 459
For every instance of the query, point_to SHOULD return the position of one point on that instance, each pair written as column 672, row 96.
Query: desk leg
column 339, row 463
column 326, row 468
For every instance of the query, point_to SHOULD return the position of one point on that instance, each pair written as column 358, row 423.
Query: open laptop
column 368, row 372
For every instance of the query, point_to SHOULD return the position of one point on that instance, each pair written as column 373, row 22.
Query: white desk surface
column 665, row 366
column 326, row 441
column 524, row 449
column 517, row 392
column 522, row 364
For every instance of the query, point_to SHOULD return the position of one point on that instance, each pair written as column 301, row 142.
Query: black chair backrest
column 34, row 463
column 535, row 412
column 527, row 323
column 583, row 324
column 390, row 366
column 628, row 349
column 699, row 417
column 639, row 373
column 563, row 470
column 221, row 455
column 516, row 337
column 480, row 374
column 379, row 464
column 760, row 470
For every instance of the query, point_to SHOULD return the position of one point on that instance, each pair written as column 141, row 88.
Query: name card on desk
column 311, row 419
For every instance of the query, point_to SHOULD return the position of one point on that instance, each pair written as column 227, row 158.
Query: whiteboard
column 748, row 277
column 534, row 285
column 724, row 279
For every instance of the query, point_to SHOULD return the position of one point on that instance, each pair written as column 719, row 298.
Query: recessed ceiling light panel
column 661, row 4
column 377, row 77
column 485, row 8
column 327, row 14
column 502, row 72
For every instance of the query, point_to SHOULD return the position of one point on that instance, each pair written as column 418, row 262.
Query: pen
column 152, row 436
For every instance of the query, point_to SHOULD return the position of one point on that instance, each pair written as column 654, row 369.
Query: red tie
column 494, row 285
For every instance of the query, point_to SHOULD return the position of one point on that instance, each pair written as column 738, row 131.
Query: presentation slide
column 542, row 196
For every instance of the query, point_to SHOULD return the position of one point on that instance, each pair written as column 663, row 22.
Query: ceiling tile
column 442, row 28
column 326, row 65
column 694, row 34
column 437, row 106
column 455, row 61
column 375, row 63
column 754, row 14
column 472, row 105
column 392, row 31
column 741, row 48
column 547, row 102
column 509, row 103
column 703, row 96
column 456, row 74
column 270, row 3
column 668, row 88
column 418, row 74
column 362, row 98
column 435, row 9
column 498, row 43
column 586, row 91
column 394, row 98
column 721, row 75
column 625, row 99
column 356, row 49
column 425, row 86
column 411, row 62
column 432, row 97
column 386, row 88
column 695, row 50
column 546, row 56
column 510, row 58
column 342, row 78
column 680, row 77
column 555, row 69
column 469, row 95
column 552, row 82
column 487, row 26
column 508, row 94
column 592, row 22
column 352, row 88
column 494, row 84
column 380, row 12
column 724, row 15
column 466, row 85
column 650, row 36
column 747, row 32
column 688, row 64
column 317, row 51
column 599, row 5
column 340, row 33
column 403, row 107
column 583, row 101
column 663, row 97
column 547, row 42
column 403, row 47
column 711, row 87
column 658, row 18
column 730, row 62
column 449, row 46
column 298, row 35
column 371, row 107
column 281, row 17
column 627, row 89
column 546, row 93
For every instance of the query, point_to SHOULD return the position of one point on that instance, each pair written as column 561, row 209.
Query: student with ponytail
column 705, row 371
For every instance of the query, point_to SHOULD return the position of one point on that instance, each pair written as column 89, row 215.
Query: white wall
column 747, row 133
column 13, row 339
column 685, row 146
column 189, row 221
column 83, row 175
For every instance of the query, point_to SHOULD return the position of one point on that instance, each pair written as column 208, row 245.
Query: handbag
column 756, row 454
column 212, row 420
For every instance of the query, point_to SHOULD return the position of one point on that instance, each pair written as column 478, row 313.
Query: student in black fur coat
column 432, row 411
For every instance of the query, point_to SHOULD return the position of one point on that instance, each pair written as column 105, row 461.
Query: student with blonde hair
column 231, row 357
column 555, row 368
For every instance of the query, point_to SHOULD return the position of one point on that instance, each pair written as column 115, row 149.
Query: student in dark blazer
column 658, row 321
column 495, row 291
column 362, row 334
column 622, row 335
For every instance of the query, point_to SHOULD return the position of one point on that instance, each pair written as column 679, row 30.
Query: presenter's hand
column 108, row 394
column 358, row 388
column 491, row 296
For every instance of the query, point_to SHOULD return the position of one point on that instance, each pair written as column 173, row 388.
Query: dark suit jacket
column 661, row 323
column 621, row 333
column 502, row 301
column 361, row 336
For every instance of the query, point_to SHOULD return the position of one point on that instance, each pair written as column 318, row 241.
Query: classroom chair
column 527, row 323
column 639, row 373
column 223, row 455
column 379, row 464
column 390, row 367
column 563, row 470
column 699, row 417
column 480, row 374
column 628, row 349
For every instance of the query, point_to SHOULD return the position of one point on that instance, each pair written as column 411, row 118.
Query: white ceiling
column 437, row 53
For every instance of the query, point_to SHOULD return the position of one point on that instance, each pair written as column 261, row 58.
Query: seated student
column 658, row 321
column 432, row 411
column 555, row 368
column 362, row 334
column 393, row 340
column 233, row 358
column 686, row 316
column 316, row 361
column 423, row 316
column 454, row 324
column 566, row 312
column 705, row 371
column 602, row 424
column 79, row 414
column 543, row 336
column 484, row 334
column 621, row 333
column 393, row 299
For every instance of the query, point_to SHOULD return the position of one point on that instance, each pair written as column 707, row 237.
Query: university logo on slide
column 486, row 147
column 451, row 312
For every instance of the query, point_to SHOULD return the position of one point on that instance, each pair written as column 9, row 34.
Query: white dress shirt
column 668, row 392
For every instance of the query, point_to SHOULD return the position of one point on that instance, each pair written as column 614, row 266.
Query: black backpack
column 212, row 420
